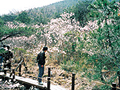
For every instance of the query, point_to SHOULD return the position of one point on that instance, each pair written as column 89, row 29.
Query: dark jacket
column 8, row 55
column 41, row 58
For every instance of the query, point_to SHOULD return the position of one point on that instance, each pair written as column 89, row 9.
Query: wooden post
column 20, row 70
column 13, row 73
column 48, row 82
column 73, row 81
column 118, row 77
column 49, row 72
column 113, row 86
column 4, row 68
column 4, row 74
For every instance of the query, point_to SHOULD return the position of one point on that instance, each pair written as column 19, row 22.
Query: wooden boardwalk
column 31, row 82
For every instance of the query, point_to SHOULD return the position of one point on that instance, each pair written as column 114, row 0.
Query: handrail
column 28, row 84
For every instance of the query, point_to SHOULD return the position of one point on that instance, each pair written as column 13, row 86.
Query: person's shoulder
column 42, row 52
column 39, row 52
column 10, row 51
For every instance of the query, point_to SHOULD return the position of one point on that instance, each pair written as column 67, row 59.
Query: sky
column 7, row 6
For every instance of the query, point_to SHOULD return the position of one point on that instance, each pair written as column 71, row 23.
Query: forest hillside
column 85, row 41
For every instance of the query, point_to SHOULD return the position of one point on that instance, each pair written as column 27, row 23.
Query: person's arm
column 38, row 58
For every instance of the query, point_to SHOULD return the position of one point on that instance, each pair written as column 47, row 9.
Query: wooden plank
column 55, row 87
column 33, row 82
column 26, row 81
column 29, row 81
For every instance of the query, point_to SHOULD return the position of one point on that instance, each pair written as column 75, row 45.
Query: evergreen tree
column 1, row 22
column 23, row 17
column 105, row 41
column 9, row 17
column 81, row 11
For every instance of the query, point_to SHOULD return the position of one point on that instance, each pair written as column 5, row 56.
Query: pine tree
column 105, row 41
column 23, row 17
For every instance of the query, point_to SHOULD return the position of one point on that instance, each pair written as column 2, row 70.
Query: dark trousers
column 41, row 72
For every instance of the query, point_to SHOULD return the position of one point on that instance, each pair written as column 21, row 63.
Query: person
column 41, row 62
column 7, row 58
column 2, row 51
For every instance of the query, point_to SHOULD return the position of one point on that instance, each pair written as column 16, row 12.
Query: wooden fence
column 29, row 82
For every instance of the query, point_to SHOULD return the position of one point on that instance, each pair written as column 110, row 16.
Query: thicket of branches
column 99, row 49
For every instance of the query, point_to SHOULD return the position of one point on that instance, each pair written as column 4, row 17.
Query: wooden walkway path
column 27, row 82
column 31, row 82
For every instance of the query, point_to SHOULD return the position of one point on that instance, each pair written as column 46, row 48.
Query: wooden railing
column 27, row 84
column 48, row 86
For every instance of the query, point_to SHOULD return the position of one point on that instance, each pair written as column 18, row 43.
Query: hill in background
column 43, row 14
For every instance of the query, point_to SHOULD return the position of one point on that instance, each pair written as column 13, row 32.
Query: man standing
column 41, row 62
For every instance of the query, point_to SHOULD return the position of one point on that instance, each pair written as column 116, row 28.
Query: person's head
column 8, row 47
column 5, row 47
column 45, row 48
